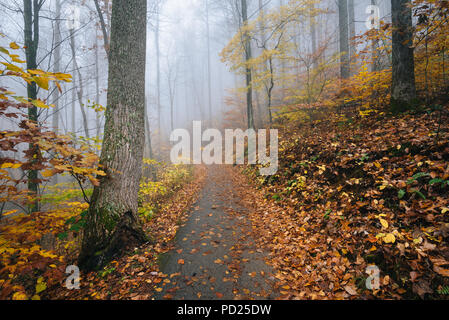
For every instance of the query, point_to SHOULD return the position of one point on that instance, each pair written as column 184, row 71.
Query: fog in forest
column 187, row 78
column 224, row 149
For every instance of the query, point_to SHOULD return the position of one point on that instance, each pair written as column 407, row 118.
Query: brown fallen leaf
column 352, row 290
column 421, row 288
column 219, row 295
column 181, row 261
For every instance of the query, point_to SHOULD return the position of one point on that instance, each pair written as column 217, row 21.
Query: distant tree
column 57, row 65
column 352, row 47
column 209, row 71
column 344, row 38
column 403, row 90
column 112, row 221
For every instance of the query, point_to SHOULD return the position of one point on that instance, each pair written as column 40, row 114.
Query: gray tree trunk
column 375, row 45
column 403, row 89
column 103, row 26
column 352, row 48
column 79, row 90
column 97, row 85
column 112, row 222
column 57, row 65
column 260, row 99
column 158, row 76
column 314, row 41
column 31, row 11
column 248, row 56
column 344, row 38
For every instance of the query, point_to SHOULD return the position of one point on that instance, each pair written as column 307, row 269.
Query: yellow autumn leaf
column 15, row 58
column 12, row 67
column 384, row 223
column 9, row 213
column 11, row 166
column 14, row 46
column 48, row 173
column 40, row 104
column 19, row 296
column 41, row 82
column 390, row 238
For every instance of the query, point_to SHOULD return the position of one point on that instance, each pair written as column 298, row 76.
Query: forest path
column 215, row 257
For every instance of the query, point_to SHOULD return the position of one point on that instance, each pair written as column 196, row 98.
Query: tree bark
column 97, row 85
column 31, row 11
column 248, row 57
column 57, row 65
column 56, row 68
column 352, row 48
column 375, row 46
column 344, row 38
column 112, row 222
column 403, row 90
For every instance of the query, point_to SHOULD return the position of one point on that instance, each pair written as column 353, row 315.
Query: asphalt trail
column 215, row 258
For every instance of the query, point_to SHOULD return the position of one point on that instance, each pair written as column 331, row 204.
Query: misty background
column 186, row 79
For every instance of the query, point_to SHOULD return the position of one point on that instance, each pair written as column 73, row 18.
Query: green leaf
column 40, row 286
column 401, row 194
column 420, row 175
column 435, row 181
column 63, row 236
column 419, row 193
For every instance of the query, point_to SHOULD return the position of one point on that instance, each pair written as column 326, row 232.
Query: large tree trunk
column 248, row 57
column 352, row 48
column 403, row 90
column 344, row 38
column 112, row 222
column 31, row 11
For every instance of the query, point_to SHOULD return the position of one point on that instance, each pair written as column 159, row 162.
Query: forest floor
column 204, row 249
column 349, row 196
